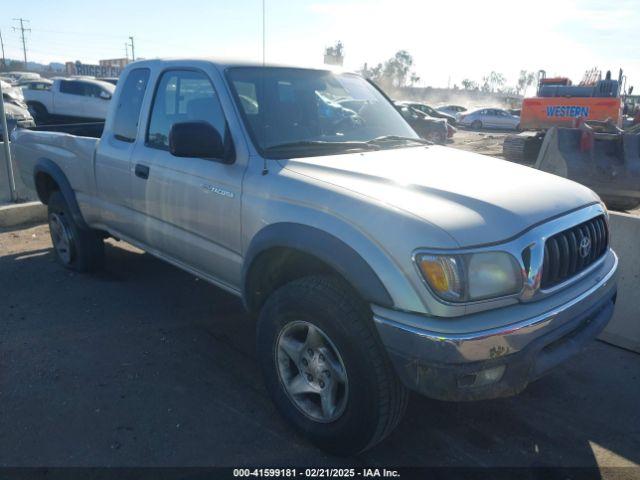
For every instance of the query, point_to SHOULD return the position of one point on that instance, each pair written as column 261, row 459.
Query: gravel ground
column 486, row 142
column 143, row 364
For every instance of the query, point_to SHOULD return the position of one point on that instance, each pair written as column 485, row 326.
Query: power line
column 91, row 34
column 22, row 30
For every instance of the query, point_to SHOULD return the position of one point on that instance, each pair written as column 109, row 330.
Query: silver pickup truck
column 376, row 262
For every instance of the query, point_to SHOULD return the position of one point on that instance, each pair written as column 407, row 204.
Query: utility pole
column 133, row 51
column 126, row 51
column 264, row 32
column 4, row 61
column 22, row 30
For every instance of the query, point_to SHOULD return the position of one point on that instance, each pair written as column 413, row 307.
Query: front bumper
column 448, row 366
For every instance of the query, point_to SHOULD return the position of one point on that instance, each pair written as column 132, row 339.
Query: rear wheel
column 75, row 247
column 325, row 367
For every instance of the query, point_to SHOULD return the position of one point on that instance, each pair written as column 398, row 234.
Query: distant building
column 333, row 59
column 57, row 67
column 105, row 68
column 115, row 62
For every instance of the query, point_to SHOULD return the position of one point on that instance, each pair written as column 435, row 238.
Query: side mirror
column 105, row 95
column 196, row 139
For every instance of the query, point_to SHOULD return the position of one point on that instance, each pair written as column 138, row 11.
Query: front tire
column 76, row 248
column 315, row 334
column 476, row 125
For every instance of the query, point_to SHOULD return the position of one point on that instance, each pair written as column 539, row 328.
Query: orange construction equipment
column 559, row 103
column 575, row 131
column 541, row 113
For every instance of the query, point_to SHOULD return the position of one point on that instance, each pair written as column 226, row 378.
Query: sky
column 450, row 40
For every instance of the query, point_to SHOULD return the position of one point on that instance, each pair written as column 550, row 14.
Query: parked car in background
column 435, row 130
column 77, row 98
column 490, row 118
column 40, row 84
column 18, row 116
column 112, row 80
column 18, row 77
column 427, row 110
column 12, row 92
column 453, row 110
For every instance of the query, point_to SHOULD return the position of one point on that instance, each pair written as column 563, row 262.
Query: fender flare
column 46, row 166
column 329, row 249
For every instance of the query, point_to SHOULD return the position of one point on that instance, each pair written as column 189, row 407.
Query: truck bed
column 73, row 154
column 91, row 129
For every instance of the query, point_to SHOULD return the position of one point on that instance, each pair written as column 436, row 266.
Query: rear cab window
column 71, row 87
column 127, row 116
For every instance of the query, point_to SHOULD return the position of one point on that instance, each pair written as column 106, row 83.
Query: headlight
column 471, row 277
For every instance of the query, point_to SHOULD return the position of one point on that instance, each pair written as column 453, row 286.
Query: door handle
column 142, row 171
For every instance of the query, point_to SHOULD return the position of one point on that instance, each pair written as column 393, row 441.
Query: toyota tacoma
column 376, row 262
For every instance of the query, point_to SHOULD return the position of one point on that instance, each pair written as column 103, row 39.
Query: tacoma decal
column 218, row 191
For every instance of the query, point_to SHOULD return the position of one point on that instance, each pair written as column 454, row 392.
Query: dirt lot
column 486, row 142
column 145, row 365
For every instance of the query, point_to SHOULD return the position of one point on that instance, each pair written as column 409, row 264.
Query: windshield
column 310, row 111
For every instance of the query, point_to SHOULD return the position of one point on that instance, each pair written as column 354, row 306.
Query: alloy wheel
column 61, row 237
column 311, row 371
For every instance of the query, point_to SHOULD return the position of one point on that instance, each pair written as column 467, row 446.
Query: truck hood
column 474, row 198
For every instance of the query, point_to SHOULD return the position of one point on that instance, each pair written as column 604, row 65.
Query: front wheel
column 325, row 368
column 476, row 125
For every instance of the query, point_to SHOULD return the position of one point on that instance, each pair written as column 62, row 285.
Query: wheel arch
column 283, row 252
column 49, row 177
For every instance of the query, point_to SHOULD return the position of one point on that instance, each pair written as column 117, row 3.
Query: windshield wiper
column 322, row 144
column 397, row 138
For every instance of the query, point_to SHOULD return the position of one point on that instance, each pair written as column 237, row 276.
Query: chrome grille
column 573, row 250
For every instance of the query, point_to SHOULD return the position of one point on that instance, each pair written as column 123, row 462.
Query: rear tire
column 369, row 398
column 76, row 248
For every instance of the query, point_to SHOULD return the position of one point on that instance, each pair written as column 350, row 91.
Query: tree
column 524, row 81
column 395, row 72
column 334, row 55
column 468, row 84
column 336, row 50
column 492, row 82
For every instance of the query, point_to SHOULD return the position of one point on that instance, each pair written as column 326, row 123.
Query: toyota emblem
column 585, row 247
